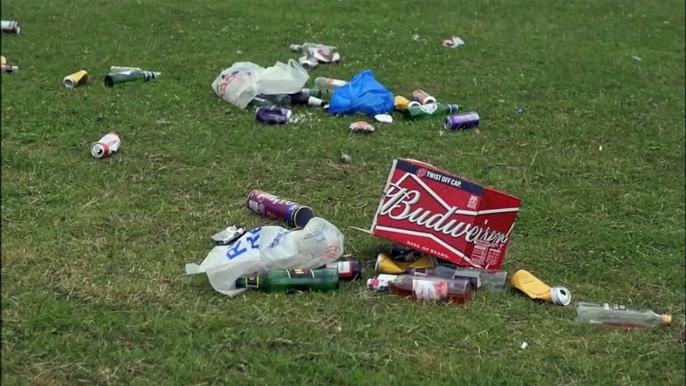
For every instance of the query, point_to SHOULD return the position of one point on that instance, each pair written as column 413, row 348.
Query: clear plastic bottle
column 432, row 288
column 619, row 316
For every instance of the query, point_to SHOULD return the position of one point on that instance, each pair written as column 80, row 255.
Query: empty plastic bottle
column 619, row 315
column 432, row 288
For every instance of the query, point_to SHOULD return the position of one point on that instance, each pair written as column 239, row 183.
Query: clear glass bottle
column 619, row 315
column 490, row 280
column 432, row 288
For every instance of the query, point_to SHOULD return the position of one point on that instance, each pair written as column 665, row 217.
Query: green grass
column 93, row 252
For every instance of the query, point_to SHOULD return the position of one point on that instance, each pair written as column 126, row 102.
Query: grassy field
column 93, row 252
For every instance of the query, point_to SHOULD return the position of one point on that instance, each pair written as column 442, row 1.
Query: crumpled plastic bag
column 270, row 247
column 243, row 81
column 363, row 94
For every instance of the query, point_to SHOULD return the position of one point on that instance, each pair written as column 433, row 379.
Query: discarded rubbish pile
column 272, row 92
column 450, row 237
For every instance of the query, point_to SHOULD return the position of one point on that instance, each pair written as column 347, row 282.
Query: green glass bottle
column 129, row 76
column 313, row 92
column 260, row 102
column 292, row 280
column 430, row 110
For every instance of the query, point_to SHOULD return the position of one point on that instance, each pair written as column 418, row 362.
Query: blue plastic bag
column 363, row 94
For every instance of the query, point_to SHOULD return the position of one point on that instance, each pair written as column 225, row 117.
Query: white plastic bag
column 270, row 247
column 243, row 81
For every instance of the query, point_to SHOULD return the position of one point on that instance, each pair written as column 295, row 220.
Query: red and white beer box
column 445, row 215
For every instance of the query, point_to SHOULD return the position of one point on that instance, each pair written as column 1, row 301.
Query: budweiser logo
column 405, row 205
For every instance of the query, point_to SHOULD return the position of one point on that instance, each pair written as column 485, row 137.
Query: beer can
column 273, row 115
column 75, row 79
column 462, row 121
column 272, row 206
column 3, row 60
column 308, row 62
column 107, row 145
column 229, row 235
column 422, row 97
column 10, row 27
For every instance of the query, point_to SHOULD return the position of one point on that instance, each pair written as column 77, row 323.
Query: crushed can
column 229, row 235
column 462, row 121
column 106, row 146
column 309, row 62
column 10, row 27
column 272, row 206
column 422, row 97
column 274, row 115
column 361, row 127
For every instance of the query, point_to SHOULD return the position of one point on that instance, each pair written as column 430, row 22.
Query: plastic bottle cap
column 666, row 319
column 560, row 296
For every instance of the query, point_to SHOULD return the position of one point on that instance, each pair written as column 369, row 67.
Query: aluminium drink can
column 274, row 115
column 272, row 206
column 107, row 145
column 10, row 27
column 422, row 97
column 462, row 121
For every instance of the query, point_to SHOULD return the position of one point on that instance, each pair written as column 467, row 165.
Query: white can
column 10, row 26
column 107, row 145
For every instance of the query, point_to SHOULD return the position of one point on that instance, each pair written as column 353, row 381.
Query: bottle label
column 300, row 273
column 344, row 269
column 429, row 109
column 252, row 282
column 430, row 289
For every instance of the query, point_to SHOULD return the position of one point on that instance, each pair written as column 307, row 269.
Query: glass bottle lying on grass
column 459, row 291
column 617, row 315
column 292, row 280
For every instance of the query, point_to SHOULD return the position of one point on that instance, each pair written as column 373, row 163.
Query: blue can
column 273, row 115
column 462, row 121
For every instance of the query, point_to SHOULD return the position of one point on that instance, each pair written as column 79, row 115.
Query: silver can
column 106, row 146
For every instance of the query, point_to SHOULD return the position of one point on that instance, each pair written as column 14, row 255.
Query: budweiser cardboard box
column 445, row 215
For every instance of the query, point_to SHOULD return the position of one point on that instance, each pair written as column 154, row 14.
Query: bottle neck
column 248, row 282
